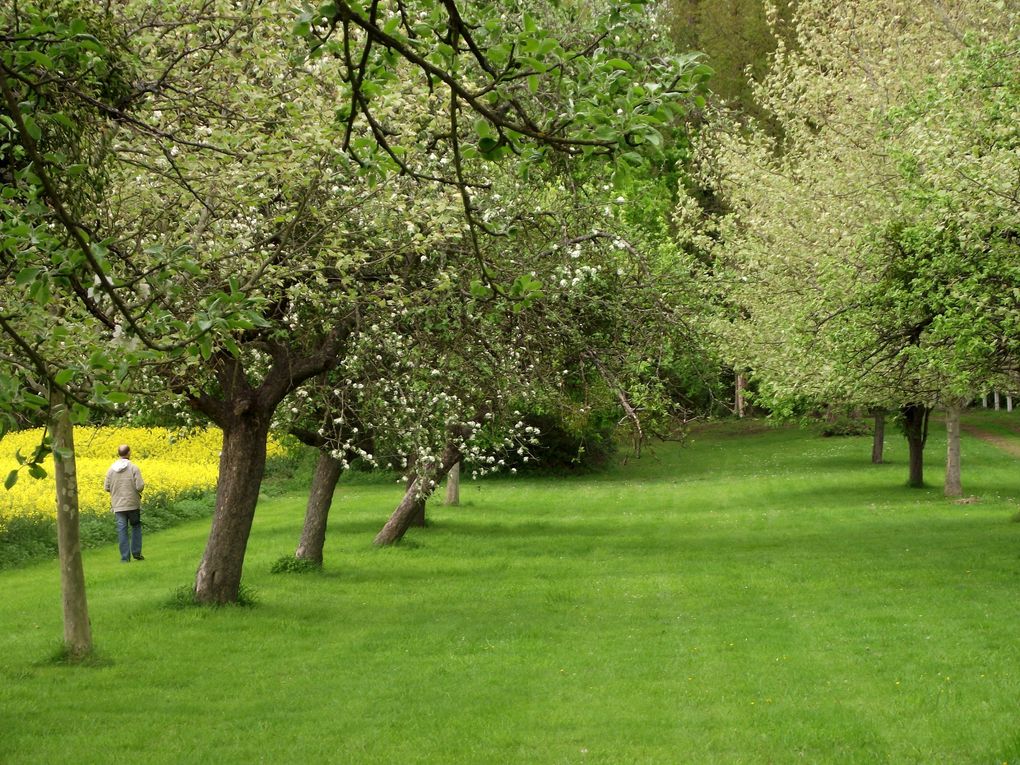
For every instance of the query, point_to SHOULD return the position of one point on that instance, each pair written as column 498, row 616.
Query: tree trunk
column 915, row 422
column 739, row 401
column 953, row 486
column 77, row 630
column 418, row 515
column 995, row 398
column 453, row 485
column 320, row 497
column 418, row 492
column 242, row 465
column 878, row 442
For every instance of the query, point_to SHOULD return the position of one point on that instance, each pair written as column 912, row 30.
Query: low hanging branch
column 621, row 395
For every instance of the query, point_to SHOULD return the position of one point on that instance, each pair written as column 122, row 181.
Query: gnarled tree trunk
column 953, row 486
column 878, row 441
column 77, row 630
column 418, row 491
column 242, row 465
column 915, row 425
column 320, row 497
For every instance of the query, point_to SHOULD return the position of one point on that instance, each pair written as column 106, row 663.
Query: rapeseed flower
column 173, row 463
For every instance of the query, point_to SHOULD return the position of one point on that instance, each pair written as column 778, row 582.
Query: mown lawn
column 758, row 596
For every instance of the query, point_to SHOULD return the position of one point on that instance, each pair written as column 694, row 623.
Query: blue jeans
column 134, row 517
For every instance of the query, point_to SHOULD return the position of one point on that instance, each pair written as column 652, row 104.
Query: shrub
column 290, row 564
column 563, row 445
column 846, row 426
column 184, row 597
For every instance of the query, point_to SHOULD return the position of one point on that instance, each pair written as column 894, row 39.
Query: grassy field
column 758, row 596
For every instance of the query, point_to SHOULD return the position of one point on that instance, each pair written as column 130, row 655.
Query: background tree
column 828, row 301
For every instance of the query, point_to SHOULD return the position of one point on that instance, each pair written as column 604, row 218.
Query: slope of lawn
column 758, row 596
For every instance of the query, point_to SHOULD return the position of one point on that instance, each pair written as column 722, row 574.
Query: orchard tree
column 278, row 182
column 833, row 290
column 56, row 366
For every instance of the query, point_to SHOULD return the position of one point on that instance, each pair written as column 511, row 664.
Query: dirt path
column 1008, row 445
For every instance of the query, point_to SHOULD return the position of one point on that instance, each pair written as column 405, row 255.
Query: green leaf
column 118, row 397
column 488, row 145
column 31, row 128
column 26, row 275
column 39, row 292
column 483, row 128
column 480, row 291
column 36, row 470
column 618, row 64
column 39, row 58
column 12, row 478
column 64, row 376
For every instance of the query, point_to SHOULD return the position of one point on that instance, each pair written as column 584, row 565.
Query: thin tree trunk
column 995, row 398
column 320, row 497
column 242, row 465
column 739, row 401
column 77, row 630
column 418, row 492
column 878, row 442
column 953, row 485
column 915, row 419
column 453, row 485
column 1009, row 402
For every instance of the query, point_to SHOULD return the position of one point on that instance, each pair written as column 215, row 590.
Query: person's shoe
column 139, row 557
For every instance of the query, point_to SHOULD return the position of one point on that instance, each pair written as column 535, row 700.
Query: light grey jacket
column 125, row 484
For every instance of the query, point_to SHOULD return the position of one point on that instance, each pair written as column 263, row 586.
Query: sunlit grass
column 763, row 598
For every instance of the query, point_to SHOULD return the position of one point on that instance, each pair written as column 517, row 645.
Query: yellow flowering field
column 173, row 463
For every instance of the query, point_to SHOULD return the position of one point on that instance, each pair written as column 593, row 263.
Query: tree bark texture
column 453, row 485
column 418, row 490
column 320, row 497
column 418, row 515
column 242, row 465
column 77, row 630
column 915, row 423
column 953, row 485
column 878, row 441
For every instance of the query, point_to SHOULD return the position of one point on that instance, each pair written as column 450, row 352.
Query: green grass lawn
column 758, row 596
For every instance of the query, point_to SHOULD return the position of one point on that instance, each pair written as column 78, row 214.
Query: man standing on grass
column 124, row 483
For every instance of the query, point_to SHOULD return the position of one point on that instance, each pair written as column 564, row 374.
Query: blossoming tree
column 278, row 182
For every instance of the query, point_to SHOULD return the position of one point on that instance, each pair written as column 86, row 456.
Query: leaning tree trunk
column 915, row 421
column 418, row 492
column 878, row 442
column 242, row 465
column 953, row 486
column 453, row 485
column 313, row 534
column 418, row 515
column 77, row 630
